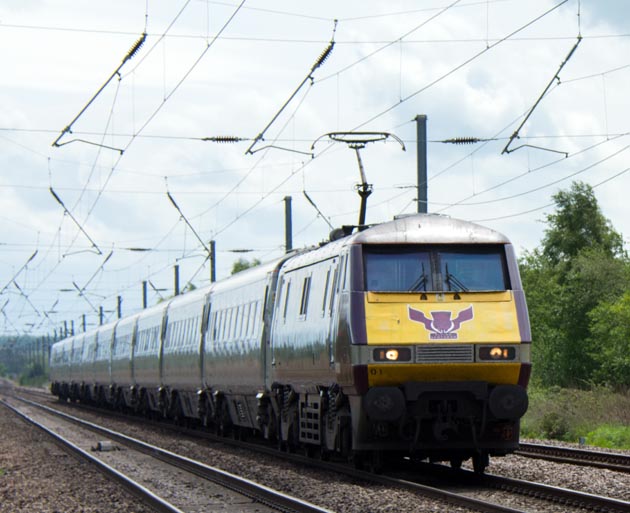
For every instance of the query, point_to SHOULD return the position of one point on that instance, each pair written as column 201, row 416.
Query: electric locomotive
column 419, row 343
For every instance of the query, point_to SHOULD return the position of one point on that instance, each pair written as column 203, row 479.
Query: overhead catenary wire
column 129, row 55
column 542, row 95
column 151, row 117
column 463, row 202
column 460, row 66
column 132, row 51
column 175, row 193
column 201, row 241
column 69, row 214
column 25, row 296
column 390, row 43
column 275, row 40
column 320, row 60
column 319, row 212
column 100, row 268
column 82, row 294
column 19, row 271
column 572, row 175
column 529, row 211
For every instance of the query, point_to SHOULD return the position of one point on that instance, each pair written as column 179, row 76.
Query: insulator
column 223, row 139
column 137, row 45
column 322, row 58
column 463, row 140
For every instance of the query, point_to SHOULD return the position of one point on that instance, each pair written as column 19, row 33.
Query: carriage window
column 325, row 292
column 286, row 301
column 333, row 291
column 344, row 270
column 228, row 323
column 233, row 324
column 306, row 289
column 437, row 268
column 238, row 324
column 257, row 317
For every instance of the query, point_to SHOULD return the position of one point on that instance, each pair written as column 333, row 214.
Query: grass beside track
column 599, row 417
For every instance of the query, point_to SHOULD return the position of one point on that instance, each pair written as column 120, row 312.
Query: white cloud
column 55, row 66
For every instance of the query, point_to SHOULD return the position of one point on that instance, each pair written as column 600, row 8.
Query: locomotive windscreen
column 438, row 268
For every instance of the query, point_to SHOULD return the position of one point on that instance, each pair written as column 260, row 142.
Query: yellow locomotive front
column 445, row 361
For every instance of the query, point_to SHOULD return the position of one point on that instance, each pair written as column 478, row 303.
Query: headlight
column 497, row 353
column 392, row 354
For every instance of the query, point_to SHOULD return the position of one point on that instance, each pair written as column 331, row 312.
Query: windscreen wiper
column 421, row 282
column 452, row 279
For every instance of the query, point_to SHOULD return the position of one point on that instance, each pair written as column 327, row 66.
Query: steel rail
column 538, row 490
column 605, row 460
column 430, row 492
column 260, row 493
column 556, row 494
column 144, row 494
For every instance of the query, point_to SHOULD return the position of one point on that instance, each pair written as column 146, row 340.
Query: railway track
column 442, row 492
column 266, row 499
column 610, row 461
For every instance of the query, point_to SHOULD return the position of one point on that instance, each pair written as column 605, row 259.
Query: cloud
column 164, row 101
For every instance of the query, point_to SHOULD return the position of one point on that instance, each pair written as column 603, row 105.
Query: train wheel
column 456, row 463
column 480, row 461
column 345, row 441
column 311, row 451
column 225, row 422
column 207, row 421
column 370, row 461
column 293, row 440
column 178, row 413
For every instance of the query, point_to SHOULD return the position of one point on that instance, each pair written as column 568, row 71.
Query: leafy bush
column 33, row 376
column 611, row 436
column 567, row 414
column 554, row 425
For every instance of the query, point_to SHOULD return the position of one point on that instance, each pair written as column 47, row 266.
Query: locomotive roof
column 428, row 229
column 412, row 229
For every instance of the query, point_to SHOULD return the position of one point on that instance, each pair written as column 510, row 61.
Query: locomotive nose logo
column 440, row 324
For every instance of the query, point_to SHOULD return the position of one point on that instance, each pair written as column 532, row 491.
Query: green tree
column 610, row 341
column 594, row 277
column 540, row 285
column 581, row 264
column 241, row 264
column 577, row 224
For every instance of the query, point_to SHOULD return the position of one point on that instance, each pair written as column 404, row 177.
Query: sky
column 226, row 107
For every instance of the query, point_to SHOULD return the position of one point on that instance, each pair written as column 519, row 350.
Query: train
column 405, row 339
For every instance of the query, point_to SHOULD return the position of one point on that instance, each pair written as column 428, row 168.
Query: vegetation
column 241, row 264
column 24, row 359
column 33, row 376
column 600, row 416
column 578, row 293
column 577, row 285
